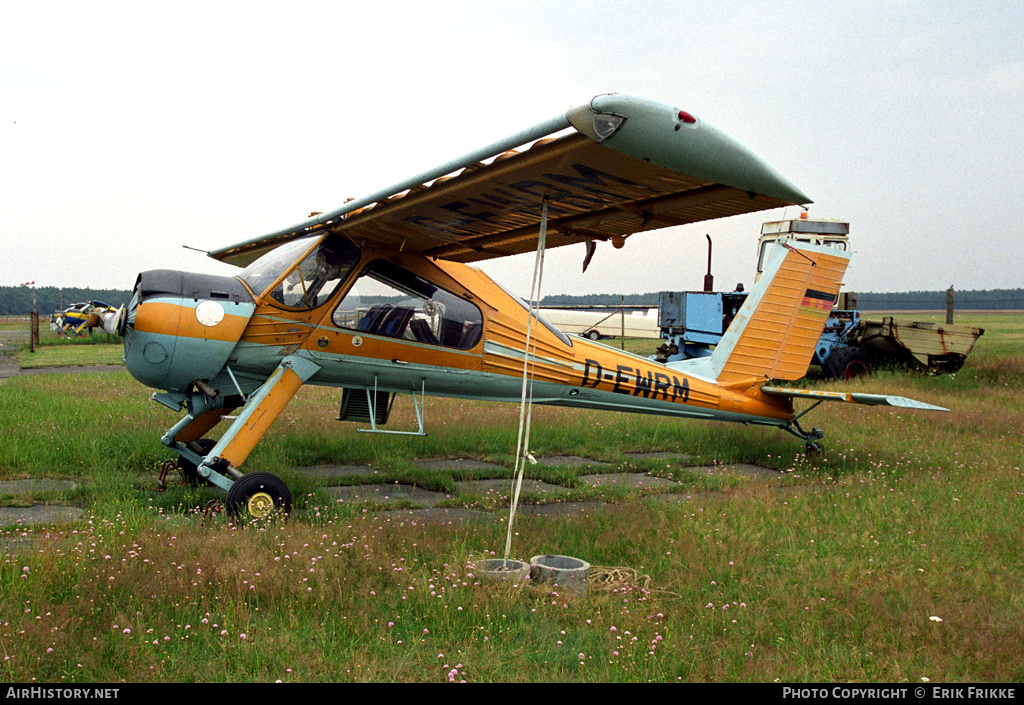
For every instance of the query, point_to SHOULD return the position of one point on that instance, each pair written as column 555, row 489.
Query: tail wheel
column 846, row 363
column 189, row 470
column 259, row 495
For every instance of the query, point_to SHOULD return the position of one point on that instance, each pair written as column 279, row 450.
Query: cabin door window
column 391, row 301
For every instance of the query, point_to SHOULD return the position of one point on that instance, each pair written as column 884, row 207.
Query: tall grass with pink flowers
column 893, row 557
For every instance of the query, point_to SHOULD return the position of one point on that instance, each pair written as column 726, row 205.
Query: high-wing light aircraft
column 379, row 297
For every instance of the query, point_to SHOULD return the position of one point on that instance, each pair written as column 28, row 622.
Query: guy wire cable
column 526, row 397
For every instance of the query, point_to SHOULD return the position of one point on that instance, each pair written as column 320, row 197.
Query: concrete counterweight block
column 503, row 569
column 570, row 574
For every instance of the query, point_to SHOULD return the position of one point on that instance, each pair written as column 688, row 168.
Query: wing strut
column 526, row 399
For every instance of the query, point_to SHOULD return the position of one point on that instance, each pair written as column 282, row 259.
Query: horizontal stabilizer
column 852, row 398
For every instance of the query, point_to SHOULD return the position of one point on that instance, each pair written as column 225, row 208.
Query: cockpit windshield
column 309, row 282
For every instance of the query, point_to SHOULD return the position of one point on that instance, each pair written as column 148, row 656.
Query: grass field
column 54, row 350
column 71, row 355
column 893, row 557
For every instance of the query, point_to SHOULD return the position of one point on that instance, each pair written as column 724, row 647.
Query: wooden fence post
column 622, row 321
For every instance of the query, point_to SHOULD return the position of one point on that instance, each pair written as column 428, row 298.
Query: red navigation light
column 686, row 117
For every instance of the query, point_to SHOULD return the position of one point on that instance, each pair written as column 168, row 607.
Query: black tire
column 189, row 470
column 594, row 335
column 259, row 495
column 846, row 363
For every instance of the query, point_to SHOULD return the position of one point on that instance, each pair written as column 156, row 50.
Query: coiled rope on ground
column 621, row 577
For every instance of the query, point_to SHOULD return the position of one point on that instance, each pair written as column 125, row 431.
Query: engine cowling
column 181, row 326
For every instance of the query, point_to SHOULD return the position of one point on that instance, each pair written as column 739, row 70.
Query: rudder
column 774, row 334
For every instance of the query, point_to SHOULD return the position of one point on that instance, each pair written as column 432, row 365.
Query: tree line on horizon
column 17, row 300
column 981, row 299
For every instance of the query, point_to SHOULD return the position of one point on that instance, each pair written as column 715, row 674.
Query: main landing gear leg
column 205, row 409
column 257, row 494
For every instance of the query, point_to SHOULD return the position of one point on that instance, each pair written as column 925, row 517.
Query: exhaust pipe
column 709, row 281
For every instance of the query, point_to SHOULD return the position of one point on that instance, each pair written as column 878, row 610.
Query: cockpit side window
column 310, row 282
column 543, row 321
column 389, row 300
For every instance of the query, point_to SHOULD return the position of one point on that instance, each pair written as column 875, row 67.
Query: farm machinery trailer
column 693, row 322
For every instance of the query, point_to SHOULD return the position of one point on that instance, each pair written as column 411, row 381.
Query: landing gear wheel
column 813, row 450
column 846, row 363
column 259, row 495
column 189, row 470
column 594, row 335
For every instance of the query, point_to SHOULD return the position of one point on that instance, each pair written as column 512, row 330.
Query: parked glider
column 378, row 297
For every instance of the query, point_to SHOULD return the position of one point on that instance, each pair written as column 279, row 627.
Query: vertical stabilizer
column 776, row 330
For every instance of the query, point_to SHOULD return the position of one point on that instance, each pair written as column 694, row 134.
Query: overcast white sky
column 128, row 130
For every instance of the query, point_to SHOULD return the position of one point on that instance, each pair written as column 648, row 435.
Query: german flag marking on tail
column 817, row 303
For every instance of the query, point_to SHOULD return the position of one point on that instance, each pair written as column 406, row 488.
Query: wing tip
column 894, row 400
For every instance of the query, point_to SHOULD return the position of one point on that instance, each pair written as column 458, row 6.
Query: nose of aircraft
column 180, row 326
